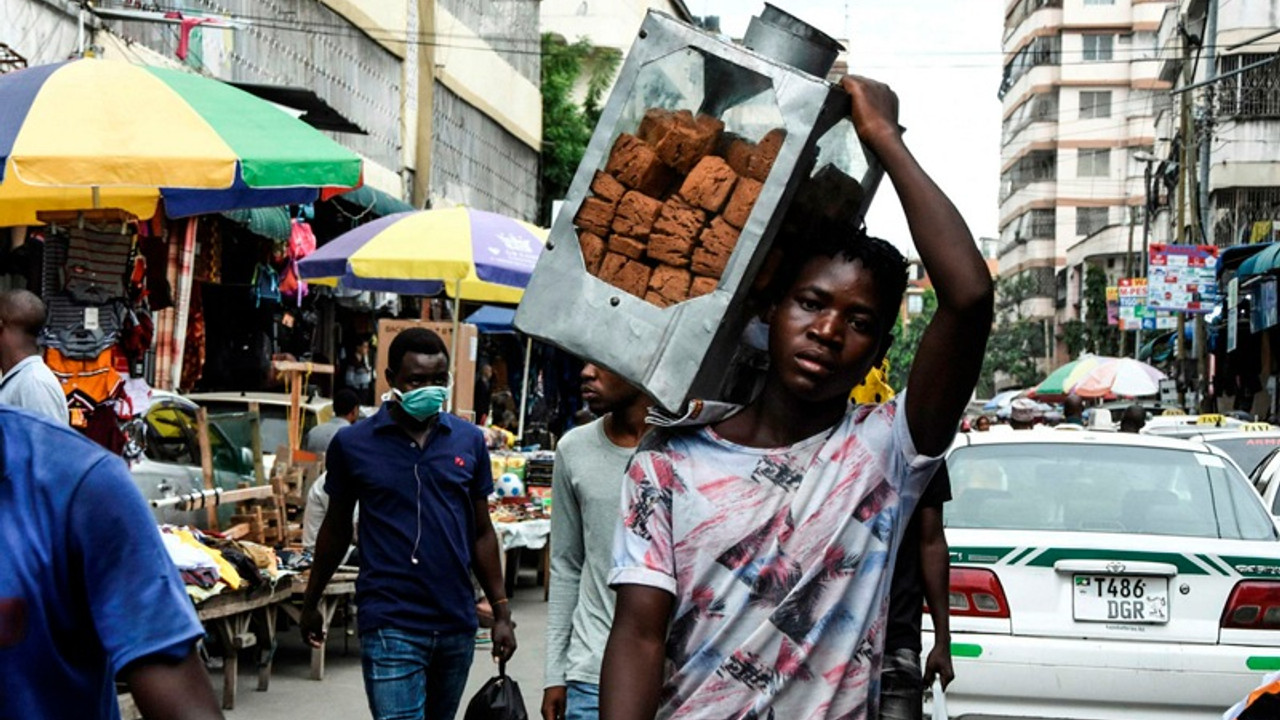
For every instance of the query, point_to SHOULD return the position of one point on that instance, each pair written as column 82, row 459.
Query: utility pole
column 1205, row 138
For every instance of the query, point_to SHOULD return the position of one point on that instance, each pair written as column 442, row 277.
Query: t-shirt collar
column 23, row 363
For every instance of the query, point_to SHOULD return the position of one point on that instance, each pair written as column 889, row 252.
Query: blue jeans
column 410, row 676
column 582, row 701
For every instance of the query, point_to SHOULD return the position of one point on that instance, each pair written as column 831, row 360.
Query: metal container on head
column 703, row 147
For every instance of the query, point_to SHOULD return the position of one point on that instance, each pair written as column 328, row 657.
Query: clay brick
column 761, row 161
column 679, row 218
column 671, row 283
column 636, row 165
column 718, row 237
column 655, row 124
column 744, row 197
column 592, row 247
column 738, row 152
column 605, row 187
column 687, row 140
column 633, row 278
column 595, row 216
column 624, row 245
column 610, row 266
column 708, row 262
column 636, row 214
column 702, row 286
column 709, row 184
column 654, row 298
column 670, row 249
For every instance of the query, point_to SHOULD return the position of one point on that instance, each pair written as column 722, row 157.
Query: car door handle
column 1115, row 567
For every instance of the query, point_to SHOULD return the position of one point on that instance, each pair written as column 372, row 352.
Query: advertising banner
column 1132, row 296
column 1113, row 306
column 1183, row 278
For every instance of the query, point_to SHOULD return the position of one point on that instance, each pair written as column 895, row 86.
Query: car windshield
column 1102, row 488
column 275, row 421
column 1247, row 451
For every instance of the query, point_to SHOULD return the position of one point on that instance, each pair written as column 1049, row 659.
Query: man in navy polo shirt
column 88, row 594
column 422, row 478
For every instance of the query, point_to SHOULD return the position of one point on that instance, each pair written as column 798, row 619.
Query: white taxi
column 1106, row 575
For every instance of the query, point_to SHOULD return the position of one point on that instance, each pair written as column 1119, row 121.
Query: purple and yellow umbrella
column 471, row 254
column 89, row 134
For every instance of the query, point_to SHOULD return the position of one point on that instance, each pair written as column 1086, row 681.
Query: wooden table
column 341, row 589
column 232, row 615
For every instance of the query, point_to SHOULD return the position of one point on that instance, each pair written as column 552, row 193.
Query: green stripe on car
column 1215, row 563
column 1257, row 663
column 1022, row 555
column 966, row 650
column 1182, row 562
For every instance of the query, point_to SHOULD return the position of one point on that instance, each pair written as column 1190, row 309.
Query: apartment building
column 1081, row 88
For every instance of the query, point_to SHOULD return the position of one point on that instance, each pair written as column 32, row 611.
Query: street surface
column 294, row 694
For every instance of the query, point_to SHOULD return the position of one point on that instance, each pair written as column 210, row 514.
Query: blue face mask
column 424, row 402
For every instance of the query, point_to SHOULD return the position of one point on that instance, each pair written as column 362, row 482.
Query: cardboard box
column 464, row 366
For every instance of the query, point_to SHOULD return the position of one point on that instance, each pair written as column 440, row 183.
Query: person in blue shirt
column 423, row 479
column 88, row 595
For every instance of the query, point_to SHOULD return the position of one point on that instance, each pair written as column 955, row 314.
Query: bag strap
column 502, row 668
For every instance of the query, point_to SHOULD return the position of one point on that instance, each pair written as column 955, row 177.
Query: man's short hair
column 414, row 340
column 344, row 401
column 23, row 309
column 801, row 242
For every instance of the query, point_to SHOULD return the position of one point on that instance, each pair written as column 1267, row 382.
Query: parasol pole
column 453, row 352
column 524, row 387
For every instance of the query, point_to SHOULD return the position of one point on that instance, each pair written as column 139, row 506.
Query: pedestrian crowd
column 769, row 560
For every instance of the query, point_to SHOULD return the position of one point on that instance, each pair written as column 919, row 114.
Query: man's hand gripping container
column 703, row 147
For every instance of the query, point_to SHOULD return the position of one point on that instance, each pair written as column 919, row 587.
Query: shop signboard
column 1113, row 306
column 1263, row 311
column 1132, row 296
column 1159, row 320
column 1183, row 278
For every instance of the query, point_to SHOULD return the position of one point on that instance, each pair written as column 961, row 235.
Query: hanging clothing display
column 97, row 263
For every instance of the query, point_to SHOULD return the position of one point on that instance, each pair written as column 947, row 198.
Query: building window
column 915, row 304
column 1095, row 104
column 1037, row 166
column 1093, row 162
column 1252, row 94
column 1099, row 2
column 1091, row 220
column 1044, row 50
column 1097, row 48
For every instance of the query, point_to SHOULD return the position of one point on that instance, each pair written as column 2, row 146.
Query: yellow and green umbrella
column 91, row 133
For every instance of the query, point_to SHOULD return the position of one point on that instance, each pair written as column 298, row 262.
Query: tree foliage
column 1017, row 342
column 1092, row 334
column 907, row 341
column 567, row 125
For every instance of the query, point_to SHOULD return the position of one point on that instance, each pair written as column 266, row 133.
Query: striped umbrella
column 1060, row 382
column 85, row 134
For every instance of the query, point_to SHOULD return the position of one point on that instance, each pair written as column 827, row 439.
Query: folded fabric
column 225, row 569
column 186, row 557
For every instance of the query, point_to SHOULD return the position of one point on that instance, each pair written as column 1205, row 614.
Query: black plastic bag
column 498, row 699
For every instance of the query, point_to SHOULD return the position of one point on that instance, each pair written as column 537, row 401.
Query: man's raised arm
column 950, row 356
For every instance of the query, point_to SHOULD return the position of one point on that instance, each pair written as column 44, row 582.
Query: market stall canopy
column 1263, row 261
column 478, row 256
column 493, row 319
column 88, row 134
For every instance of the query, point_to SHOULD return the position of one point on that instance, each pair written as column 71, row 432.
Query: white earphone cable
column 418, row 515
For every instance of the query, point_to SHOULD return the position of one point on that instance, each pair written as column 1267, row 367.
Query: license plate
column 1121, row 599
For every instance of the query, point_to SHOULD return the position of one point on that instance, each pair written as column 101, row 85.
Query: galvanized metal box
column 638, row 322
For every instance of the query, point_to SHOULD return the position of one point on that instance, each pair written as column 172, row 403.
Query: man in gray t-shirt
column 27, row 382
column 586, row 492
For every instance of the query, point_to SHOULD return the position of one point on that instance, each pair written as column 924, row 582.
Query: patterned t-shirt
column 779, row 559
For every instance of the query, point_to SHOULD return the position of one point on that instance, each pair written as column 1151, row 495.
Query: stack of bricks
column 664, row 216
